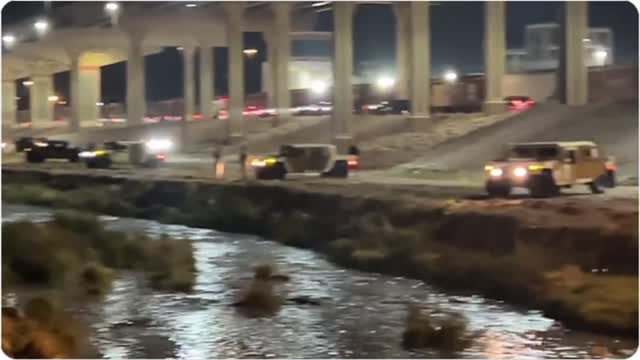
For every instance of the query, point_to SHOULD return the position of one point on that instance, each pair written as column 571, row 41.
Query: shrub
column 170, row 264
column 448, row 332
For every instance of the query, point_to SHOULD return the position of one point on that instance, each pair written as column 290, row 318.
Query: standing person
column 218, row 165
column 243, row 161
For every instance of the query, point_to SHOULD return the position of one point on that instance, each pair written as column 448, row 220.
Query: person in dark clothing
column 243, row 162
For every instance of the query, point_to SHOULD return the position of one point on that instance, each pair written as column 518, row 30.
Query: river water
column 361, row 315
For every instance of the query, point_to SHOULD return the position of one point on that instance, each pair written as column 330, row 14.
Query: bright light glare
column 8, row 39
column 450, row 76
column 520, row 172
column 41, row 26
column 99, row 103
column 53, row 98
column 250, row 52
column 600, row 55
column 87, row 154
column 27, row 82
column 319, row 87
column 112, row 7
column 159, row 144
column 190, row 5
column 385, row 82
column 496, row 172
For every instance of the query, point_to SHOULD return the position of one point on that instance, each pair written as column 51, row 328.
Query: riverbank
column 580, row 268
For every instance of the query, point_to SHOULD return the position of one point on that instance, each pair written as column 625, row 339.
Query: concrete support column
column 136, row 97
column 206, row 82
column 419, row 76
column 188, row 91
column 235, row 123
column 9, row 104
column 494, row 56
column 575, row 71
column 85, row 93
column 280, row 62
column 342, row 73
column 270, row 68
column 401, row 12
column 41, row 108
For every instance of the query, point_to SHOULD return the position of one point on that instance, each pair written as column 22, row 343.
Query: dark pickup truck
column 42, row 149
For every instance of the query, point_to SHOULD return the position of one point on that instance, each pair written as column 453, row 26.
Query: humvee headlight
column 91, row 154
column 263, row 162
column 496, row 172
column 488, row 168
column 87, row 154
column 535, row 167
column 520, row 172
column 257, row 163
column 40, row 144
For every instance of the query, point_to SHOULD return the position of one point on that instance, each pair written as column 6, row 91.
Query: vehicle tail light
column 160, row 156
column 352, row 163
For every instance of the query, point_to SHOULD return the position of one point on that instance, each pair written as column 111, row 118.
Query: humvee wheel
column 277, row 172
column 340, row 170
column 595, row 187
column 543, row 185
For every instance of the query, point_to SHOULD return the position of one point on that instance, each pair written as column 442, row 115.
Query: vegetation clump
column 41, row 330
column 260, row 298
column 76, row 249
column 447, row 332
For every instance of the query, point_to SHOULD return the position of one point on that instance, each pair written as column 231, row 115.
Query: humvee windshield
column 533, row 152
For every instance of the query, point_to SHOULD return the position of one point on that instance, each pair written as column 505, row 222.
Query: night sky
column 456, row 36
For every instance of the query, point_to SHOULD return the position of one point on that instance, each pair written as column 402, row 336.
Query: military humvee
column 545, row 167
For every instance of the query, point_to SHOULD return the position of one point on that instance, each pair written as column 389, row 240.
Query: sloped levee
column 613, row 124
column 582, row 274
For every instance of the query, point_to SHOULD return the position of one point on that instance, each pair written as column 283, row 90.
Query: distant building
column 542, row 47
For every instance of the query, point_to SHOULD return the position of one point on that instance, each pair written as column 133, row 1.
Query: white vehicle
column 310, row 159
column 149, row 153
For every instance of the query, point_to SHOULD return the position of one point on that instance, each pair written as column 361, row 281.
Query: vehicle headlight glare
column 159, row 144
column 496, row 172
column 87, row 154
column 520, row 172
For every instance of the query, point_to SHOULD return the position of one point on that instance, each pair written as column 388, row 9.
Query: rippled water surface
column 361, row 315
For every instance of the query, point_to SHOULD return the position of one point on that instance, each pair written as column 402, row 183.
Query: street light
column 319, row 87
column 8, row 40
column 113, row 9
column 41, row 26
column 385, row 82
column 450, row 76
column 250, row 52
column 600, row 56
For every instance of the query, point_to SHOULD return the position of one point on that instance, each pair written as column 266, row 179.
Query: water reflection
column 361, row 315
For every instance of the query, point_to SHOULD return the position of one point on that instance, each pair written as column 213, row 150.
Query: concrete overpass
column 83, row 39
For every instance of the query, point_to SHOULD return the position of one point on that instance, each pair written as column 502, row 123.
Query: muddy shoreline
column 566, row 271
